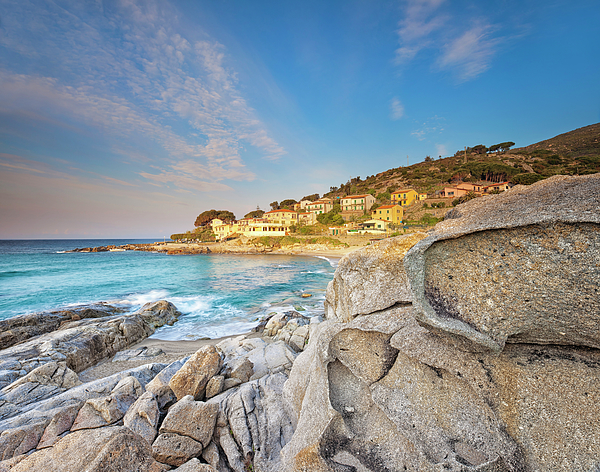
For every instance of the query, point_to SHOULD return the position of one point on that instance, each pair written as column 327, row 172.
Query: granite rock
column 215, row 386
column 193, row 376
column 194, row 419
column 114, row 449
column 194, row 465
column 522, row 266
column 103, row 411
column 370, row 279
column 142, row 417
column 175, row 449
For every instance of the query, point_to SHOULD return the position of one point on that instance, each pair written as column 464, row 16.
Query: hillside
column 572, row 153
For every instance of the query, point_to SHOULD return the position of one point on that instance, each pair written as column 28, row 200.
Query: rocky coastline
column 474, row 347
column 237, row 246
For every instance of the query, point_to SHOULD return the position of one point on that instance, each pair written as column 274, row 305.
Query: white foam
column 332, row 262
column 140, row 299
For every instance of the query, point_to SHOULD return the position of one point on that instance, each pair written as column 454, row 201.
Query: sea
column 218, row 294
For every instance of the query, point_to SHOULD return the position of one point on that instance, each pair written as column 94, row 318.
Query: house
column 374, row 226
column 257, row 227
column 357, row 203
column 390, row 213
column 404, row 196
column 221, row 229
column 422, row 196
column 323, row 205
column 501, row 187
column 282, row 216
column 307, row 218
column 301, row 205
column 453, row 192
column 469, row 187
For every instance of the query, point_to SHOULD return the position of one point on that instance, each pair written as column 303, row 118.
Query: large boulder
column 192, row 377
column 142, row 417
column 191, row 418
column 20, row 328
column 370, row 279
column 104, row 411
column 522, row 266
column 114, row 449
column 252, row 427
column 43, row 382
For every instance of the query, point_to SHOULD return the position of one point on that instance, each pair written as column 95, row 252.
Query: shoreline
column 233, row 247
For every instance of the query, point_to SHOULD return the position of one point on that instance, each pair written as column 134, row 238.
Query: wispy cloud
column 396, row 109
column 471, row 53
column 421, row 19
column 463, row 45
column 434, row 125
column 130, row 72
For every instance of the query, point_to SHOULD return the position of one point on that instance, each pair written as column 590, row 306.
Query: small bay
column 219, row 295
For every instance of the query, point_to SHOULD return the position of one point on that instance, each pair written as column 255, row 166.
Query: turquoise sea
column 219, row 294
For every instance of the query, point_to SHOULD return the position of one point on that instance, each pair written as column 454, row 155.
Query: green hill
column 575, row 152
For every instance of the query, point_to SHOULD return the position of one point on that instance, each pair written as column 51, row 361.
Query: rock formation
column 493, row 367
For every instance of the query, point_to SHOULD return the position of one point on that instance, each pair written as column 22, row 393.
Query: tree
column 428, row 159
column 312, row 198
column 494, row 148
column 506, row 146
column 479, row 149
column 274, row 205
column 288, row 204
column 258, row 213
column 207, row 216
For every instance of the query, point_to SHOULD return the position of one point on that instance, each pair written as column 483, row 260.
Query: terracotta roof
column 402, row 190
column 386, row 206
column 277, row 211
column 354, row 196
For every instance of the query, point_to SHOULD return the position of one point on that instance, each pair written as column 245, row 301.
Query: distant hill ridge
column 574, row 153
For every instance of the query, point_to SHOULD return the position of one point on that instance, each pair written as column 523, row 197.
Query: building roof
column 402, row 190
column 278, row 211
column 387, row 206
column 354, row 196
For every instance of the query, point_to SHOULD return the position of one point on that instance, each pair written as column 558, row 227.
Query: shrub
column 526, row 179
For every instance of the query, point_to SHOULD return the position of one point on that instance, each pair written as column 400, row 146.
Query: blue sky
column 128, row 118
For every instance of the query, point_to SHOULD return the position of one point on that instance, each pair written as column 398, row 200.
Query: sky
column 127, row 119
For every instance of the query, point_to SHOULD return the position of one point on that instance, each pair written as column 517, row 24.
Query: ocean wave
column 332, row 262
column 140, row 299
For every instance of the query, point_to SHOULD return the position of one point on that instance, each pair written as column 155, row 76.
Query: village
column 358, row 214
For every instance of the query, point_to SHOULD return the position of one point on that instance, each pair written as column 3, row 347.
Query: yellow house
column 282, row 216
column 404, row 196
column 422, row 196
column 390, row 213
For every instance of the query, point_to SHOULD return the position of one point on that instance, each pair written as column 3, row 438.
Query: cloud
column 419, row 22
column 396, row 109
column 471, row 53
column 462, row 44
column 130, row 74
column 434, row 125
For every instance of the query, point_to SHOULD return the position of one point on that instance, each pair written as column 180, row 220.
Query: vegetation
column 258, row 213
column 283, row 241
column 332, row 217
column 203, row 234
column 207, row 216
